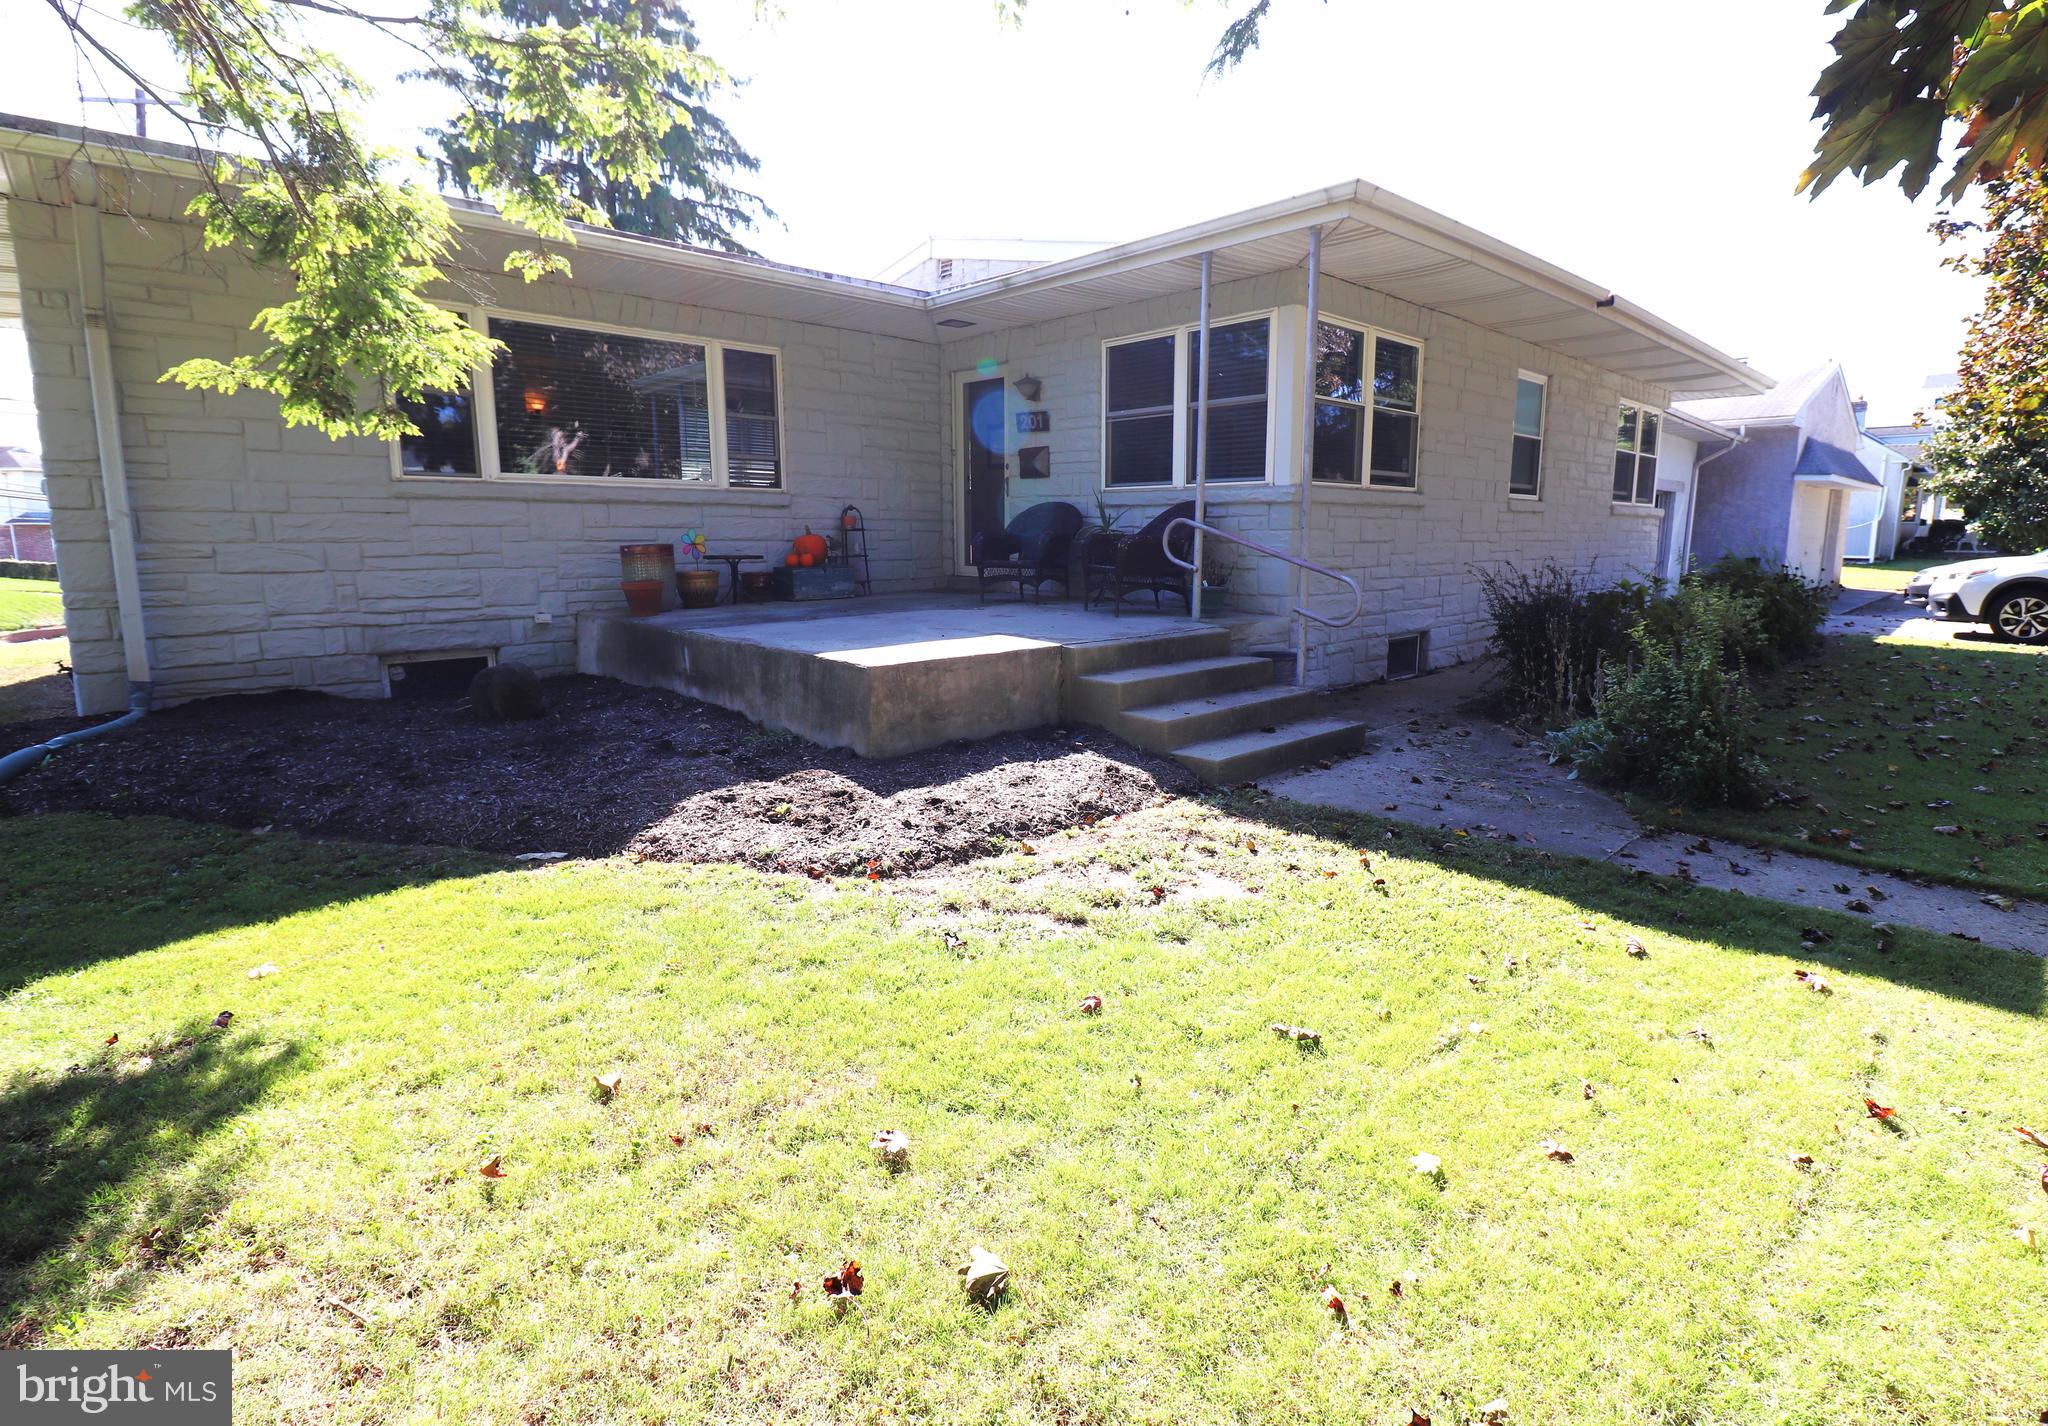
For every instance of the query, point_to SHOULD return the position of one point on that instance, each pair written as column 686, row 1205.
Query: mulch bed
column 609, row 768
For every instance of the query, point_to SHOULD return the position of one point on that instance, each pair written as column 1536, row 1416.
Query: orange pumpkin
column 807, row 559
column 810, row 548
column 791, row 560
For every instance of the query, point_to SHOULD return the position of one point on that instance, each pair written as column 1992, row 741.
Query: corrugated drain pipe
column 106, row 420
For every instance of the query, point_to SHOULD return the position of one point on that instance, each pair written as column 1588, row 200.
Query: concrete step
column 1098, row 697
column 1162, row 727
column 1109, row 655
column 1242, row 756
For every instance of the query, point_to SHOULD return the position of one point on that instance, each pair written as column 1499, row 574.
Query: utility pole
column 141, row 101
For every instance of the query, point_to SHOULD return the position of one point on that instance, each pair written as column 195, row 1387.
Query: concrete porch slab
column 887, row 675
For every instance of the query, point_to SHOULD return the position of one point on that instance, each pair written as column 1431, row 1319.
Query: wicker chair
column 1032, row 550
column 1116, row 564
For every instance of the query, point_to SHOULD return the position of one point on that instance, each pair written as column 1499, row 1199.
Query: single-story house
column 1874, row 515
column 1780, row 487
column 1455, row 403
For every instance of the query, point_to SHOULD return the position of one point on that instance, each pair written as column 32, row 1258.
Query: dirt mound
column 609, row 768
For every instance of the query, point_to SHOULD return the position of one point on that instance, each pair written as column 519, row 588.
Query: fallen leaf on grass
column 951, row 940
column 1428, row 1165
column 1555, row 1151
column 1027, row 849
column 984, row 1276
column 1585, row 1089
column 1091, row 1005
column 2020, row 1129
column 1878, row 1111
column 1636, row 948
column 1416, row 1418
column 1335, row 1305
column 2044, row 1178
column 1813, row 981
column 1299, row 1034
column 1158, row 894
column 491, row 1167
column 796, row 1289
column 1699, row 1032
column 1494, row 1413
column 846, row 1284
column 892, row 1146
column 609, row 1082
column 115, row 1038
column 220, row 1021
column 259, row 972
column 1801, row 1161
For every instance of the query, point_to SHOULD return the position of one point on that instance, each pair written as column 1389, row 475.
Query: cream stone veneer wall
column 272, row 557
column 1413, row 552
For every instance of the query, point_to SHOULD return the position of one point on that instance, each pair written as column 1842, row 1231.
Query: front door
column 981, row 421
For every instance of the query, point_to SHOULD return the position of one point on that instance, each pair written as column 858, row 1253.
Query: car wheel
column 2022, row 617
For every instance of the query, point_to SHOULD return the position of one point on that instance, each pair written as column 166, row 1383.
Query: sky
column 1648, row 145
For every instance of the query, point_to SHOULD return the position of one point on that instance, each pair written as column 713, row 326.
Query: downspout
column 106, row 419
column 1308, row 455
column 1201, row 437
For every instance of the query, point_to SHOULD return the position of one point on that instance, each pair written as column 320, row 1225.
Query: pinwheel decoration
column 694, row 543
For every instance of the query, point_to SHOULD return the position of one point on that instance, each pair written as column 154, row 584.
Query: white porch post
column 1303, row 472
column 1201, row 437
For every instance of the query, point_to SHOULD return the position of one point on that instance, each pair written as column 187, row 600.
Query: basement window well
column 1407, row 655
column 417, row 680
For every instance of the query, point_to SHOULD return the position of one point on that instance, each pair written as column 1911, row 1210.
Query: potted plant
column 696, row 586
column 1219, row 561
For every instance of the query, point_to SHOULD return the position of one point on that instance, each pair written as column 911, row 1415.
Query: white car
column 2010, row 594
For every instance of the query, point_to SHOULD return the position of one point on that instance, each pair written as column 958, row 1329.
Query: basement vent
column 1407, row 655
column 416, row 680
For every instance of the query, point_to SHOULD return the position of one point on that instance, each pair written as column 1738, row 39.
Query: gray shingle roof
column 1781, row 403
column 1826, row 458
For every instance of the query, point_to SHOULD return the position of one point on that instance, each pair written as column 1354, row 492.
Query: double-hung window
column 1525, row 464
column 1635, row 455
column 1138, row 411
column 579, row 403
column 1368, row 415
column 1151, row 416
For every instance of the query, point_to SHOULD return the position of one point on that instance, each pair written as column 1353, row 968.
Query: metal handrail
column 1357, row 595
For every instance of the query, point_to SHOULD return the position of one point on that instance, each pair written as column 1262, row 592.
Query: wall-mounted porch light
column 1028, row 387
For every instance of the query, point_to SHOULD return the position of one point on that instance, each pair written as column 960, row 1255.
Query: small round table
column 732, row 565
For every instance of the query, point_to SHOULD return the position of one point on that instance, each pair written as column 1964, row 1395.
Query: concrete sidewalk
column 1431, row 763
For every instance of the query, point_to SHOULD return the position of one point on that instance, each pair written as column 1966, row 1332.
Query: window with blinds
column 1525, row 462
column 576, row 402
column 1138, row 411
column 1237, row 400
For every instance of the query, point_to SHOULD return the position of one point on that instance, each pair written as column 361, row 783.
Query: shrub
column 1678, row 720
column 1789, row 608
column 1552, row 632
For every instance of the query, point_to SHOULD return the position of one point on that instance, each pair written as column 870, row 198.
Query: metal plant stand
column 853, row 548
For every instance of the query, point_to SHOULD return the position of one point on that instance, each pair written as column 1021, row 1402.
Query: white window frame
column 1542, row 436
column 483, row 405
column 1367, row 407
column 1184, row 395
column 1635, row 470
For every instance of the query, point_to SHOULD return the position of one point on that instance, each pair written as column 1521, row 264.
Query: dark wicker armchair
column 1116, row 564
column 1032, row 550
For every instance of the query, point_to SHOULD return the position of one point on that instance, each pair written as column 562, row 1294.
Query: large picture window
column 1150, row 415
column 578, row 403
column 1635, row 456
column 1368, row 416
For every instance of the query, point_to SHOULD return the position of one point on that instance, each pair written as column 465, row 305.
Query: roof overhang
column 1382, row 241
column 1371, row 237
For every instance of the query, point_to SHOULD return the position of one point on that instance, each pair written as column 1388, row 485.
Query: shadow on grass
column 84, row 888
column 1986, row 975
column 97, row 1178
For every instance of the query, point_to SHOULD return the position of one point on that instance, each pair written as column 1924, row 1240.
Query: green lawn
column 1889, row 741
column 29, row 604
column 1169, row 1182
column 1890, row 574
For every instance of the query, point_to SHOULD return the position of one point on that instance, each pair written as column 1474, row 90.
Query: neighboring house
column 1464, row 400
column 941, row 264
column 1873, row 533
column 1781, row 489
column 24, row 507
